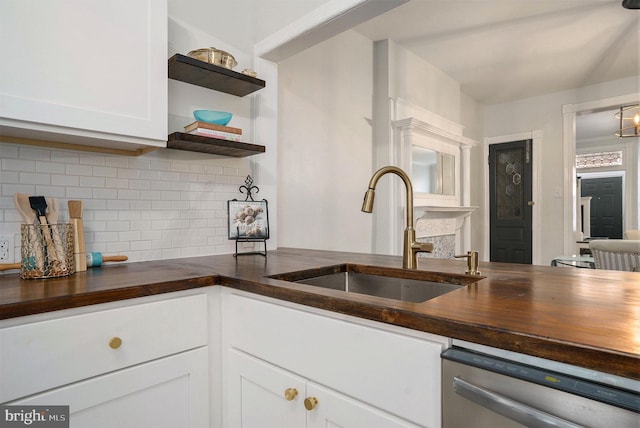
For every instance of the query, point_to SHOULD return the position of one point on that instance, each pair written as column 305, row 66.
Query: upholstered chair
column 616, row 254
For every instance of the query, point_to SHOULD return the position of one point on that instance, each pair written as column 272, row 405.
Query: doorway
column 510, row 202
column 606, row 206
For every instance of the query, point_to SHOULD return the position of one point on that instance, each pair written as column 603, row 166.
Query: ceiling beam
column 327, row 21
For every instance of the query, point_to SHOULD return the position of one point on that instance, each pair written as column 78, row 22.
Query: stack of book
column 206, row 129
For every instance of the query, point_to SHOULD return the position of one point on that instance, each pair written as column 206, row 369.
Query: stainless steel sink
column 399, row 284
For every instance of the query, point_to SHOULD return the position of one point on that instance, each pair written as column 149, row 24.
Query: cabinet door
column 259, row 395
column 170, row 392
column 84, row 69
column 337, row 410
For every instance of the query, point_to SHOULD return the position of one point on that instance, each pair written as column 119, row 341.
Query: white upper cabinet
column 84, row 72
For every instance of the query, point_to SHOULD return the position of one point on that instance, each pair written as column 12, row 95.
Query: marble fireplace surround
column 446, row 227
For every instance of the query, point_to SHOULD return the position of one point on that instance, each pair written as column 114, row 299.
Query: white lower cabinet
column 362, row 373
column 137, row 363
column 262, row 395
column 170, row 392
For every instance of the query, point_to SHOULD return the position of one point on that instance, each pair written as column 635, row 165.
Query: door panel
column 256, row 394
column 606, row 206
column 510, row 173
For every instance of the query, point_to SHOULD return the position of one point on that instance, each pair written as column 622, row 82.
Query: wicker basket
column 47, row 251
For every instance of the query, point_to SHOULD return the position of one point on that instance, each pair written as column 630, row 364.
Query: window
column 599, row 159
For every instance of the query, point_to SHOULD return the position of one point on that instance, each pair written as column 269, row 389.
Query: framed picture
column 248, row 220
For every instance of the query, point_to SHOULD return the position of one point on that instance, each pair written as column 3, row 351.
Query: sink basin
column 399, row 284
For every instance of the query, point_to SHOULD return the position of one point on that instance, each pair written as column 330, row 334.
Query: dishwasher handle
column 508, row 407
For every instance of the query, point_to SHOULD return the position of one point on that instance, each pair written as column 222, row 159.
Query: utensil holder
column 47, row 251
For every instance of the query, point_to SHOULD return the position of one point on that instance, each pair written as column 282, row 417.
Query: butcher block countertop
column 589, row 318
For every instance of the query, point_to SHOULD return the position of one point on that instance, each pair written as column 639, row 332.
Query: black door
column 606, row 206
column 509, row 200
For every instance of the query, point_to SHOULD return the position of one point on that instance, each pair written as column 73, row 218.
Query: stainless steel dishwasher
column 497, row 389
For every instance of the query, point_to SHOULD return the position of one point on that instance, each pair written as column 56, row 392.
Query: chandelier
column 629, row 117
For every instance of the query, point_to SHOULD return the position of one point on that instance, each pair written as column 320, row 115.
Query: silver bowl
column 214, row 56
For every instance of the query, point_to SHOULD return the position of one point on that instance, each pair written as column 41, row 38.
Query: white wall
column 324, row 145
column 545, row 113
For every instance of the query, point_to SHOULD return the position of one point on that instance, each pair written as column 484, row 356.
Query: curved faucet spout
column 410, row 247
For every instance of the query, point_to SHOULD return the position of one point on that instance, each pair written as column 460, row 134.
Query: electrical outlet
column 6, row 249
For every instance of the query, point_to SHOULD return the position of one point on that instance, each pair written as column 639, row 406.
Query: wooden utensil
column 23, row 206
column 53, row 212
column 96, row 259
column 79, row 251
column 8, row 266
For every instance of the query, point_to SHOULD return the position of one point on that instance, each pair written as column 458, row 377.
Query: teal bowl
column 212, row 116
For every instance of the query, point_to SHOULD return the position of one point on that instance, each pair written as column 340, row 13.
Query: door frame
column 569, row 113
column 536, row 143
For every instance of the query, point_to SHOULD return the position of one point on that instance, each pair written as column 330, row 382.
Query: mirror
column 432, row 172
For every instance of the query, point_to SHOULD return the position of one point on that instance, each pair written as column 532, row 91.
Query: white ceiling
column 502, row 50
column 499, row 50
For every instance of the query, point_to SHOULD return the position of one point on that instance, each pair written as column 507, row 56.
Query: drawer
column 395, row 372
column 43, row 355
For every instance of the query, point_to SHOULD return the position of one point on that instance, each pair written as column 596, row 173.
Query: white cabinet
column 143, row 364
column 387, row 372
column 84, row 72
column 169, row 393
column 264, row 396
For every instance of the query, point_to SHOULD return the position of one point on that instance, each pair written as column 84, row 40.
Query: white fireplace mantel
column 455, row 214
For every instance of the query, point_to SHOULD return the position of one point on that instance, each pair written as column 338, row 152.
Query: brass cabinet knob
column 115, row 342
column 290, row 393
column 310, row 403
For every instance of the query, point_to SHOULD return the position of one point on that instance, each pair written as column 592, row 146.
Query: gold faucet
column 410, row 247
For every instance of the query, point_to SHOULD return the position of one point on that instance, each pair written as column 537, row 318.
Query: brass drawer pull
column 310, row 403
column 290, row 394
column 115, row 342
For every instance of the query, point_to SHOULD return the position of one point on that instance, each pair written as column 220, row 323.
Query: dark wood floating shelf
column 214, row 146
column 200, row 73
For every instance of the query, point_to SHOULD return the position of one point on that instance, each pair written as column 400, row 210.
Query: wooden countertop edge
column 89, row 298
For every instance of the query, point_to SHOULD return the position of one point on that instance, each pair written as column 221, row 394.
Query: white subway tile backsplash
column 35, row 153
column 117, row 204
column 79, row 193
column 103, row 171
column 92, row 182
column 50, row 167
column 91, row 160
column 150, row 207
column 116, row 161
column 79, row 170
column 100, row 215
column 105, row 193
column 66, row 180
column 18, row 165
column 34, row 178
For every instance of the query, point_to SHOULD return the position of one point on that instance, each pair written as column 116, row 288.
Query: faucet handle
column 472, row 262
column 422, row 247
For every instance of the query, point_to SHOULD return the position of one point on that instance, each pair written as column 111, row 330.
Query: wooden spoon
column 75, row 218
column 53, row 212
column 23, row 206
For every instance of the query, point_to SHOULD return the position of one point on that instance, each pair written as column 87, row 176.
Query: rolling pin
column 96, row 259
column 92, row 259
column 7, row 266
